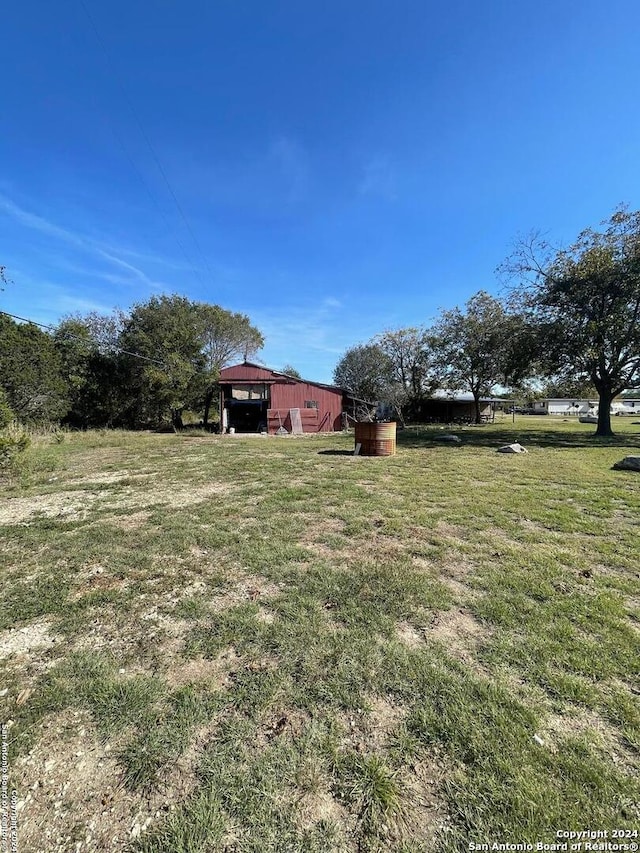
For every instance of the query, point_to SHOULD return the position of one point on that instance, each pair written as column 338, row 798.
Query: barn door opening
column 248, row 416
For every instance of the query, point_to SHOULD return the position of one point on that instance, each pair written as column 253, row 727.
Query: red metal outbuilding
column 254, row 398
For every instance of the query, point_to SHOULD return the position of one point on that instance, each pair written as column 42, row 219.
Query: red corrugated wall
column 293, row 394
column 289, row 394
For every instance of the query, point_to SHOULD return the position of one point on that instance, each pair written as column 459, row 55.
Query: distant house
column 626, row 406
column 254, row 398
column 564, row 406
column 579, row 408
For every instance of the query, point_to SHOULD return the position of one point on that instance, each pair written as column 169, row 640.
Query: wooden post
column 221, row 410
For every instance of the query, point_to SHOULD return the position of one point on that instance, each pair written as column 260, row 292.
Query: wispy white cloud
column 151, row 258
column 79, row 241
column 38, row 223
column 48, row 300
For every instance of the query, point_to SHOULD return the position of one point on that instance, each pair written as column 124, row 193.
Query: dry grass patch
column 245, row 588
column 453, row 573
column 409, row 636
column 371, row 728
column 75, row 505
column 147, row 637
column 265, row 616
column 71, row 506
column 317, row 527
column 424, row 815
column 382, row 719
column 71, row 792
column 180, row 495
column 460, row 633
column 111, row 477
column 580, row 722
column 214, row 672
column 131, row 521
column 450, row 532
column 319, row 805
column 283, row 722
column 96, row 578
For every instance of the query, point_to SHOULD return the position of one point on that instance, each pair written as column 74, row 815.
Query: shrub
column 13, row 442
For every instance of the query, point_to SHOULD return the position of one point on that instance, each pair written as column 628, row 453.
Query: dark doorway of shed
column 248, row 415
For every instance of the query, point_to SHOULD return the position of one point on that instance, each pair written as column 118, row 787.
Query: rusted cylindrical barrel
column 376, row 439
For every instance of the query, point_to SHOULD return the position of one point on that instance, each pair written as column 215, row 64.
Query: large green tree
column 88, row 349
column 366, row 371
column 409, row 352
column 585, row 300
column 480, row 346
column 164, row 361
column 31, row 372
column 174, row 350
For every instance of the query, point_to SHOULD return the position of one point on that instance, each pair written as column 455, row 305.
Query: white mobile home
column 626, row 406
column 580, row 408
column 565, row 406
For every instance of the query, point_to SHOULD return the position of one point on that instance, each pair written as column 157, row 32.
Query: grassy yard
column 267, row 644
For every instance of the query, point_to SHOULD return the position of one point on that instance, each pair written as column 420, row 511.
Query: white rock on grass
column 629, row 463
column 512, row 448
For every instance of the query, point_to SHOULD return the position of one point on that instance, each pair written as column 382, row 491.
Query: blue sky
column 339, row 168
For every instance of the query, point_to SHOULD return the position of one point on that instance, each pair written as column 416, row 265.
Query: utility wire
column 144, row 134
column 154, row 201
column 78, row 338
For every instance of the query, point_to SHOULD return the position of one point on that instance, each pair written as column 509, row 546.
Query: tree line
column 136, row 369
column 569, row 324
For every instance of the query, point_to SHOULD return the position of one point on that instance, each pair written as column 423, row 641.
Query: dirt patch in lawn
column 454, row 574
column 460, row 633
column 424, row 814
column 110, row 477
column 97, row 579
column 71, row 506
column 75, row 505
column 409, row 636
column 180, row 496
column 21, row 641
column 370, row 729
column 131, row 521
column 70, row 792
column 141, row 640
column 382, row 719
column 279, row 722
column 214, row 672
column 321, row 805
column 245, row 588
column 240, row 587
column 585, row 723
column 316, row 529
column 451, row 532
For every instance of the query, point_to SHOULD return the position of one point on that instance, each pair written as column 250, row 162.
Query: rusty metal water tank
column 376, row 439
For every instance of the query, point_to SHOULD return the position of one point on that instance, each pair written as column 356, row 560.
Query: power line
column 154, row 200
column 78, row 338
column 145, row 136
